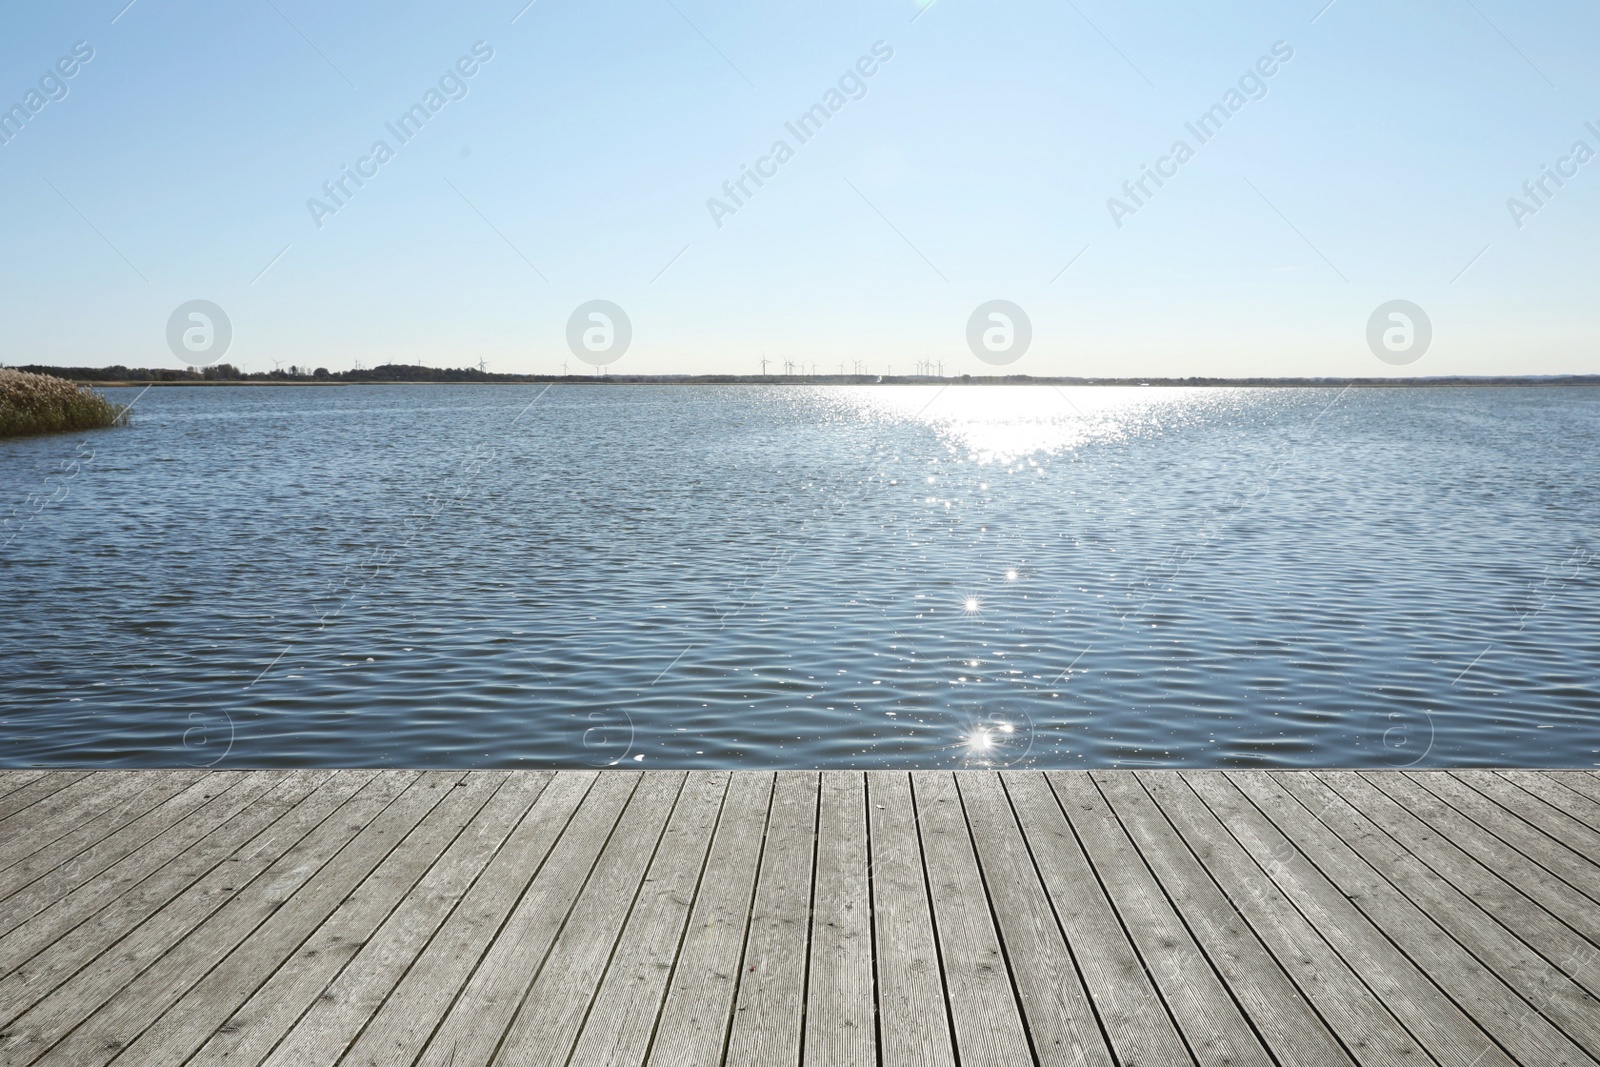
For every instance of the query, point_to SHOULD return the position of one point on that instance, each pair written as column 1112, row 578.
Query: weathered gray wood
column 263, row 923
column 239, row 1017
column 1511, row 906
column 84, row 993
column 454, row 919
column 1540, row 983
column 54, row 836
column 622, row 1016
column 1502, row 862
column 77, row 796
column 770, row 1002
column 1061, row 1024
column 322, row 1033
column 472, row 1027
column 913, row 1026
column 1405, row 989
column 30, row 794
column 984, row 1012
column 1558, row 791
column 118, row 808
column 1361, row 1019
column 1279, row 1010
column 1125, row 999
column 11, row 781
column 1583, row 783
column 547, row 1025
column 381, row 1027
column 1115, row 968
column 1472, row 986
column 42, row 921
column 839, row 996
column 692, row 1026
column 165, row 904
column 168, row 818
column 1559, row 824
column 1560, row 861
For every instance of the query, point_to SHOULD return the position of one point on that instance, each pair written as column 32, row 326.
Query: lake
column 789, row 576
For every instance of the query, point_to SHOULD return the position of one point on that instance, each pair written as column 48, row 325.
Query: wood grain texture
column 839, row 995
column 693, row 1023
column 913, row 1025
column 986, row 1017
column 316, row 918
column 769, row 1007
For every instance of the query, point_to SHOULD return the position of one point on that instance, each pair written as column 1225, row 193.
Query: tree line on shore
column 402, row 373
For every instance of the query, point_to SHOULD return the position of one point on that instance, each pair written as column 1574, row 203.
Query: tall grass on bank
column 38, row 403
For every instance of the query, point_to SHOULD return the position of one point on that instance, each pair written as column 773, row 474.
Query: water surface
column 806, row 577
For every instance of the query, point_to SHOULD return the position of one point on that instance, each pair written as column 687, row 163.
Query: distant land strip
column 396, row 374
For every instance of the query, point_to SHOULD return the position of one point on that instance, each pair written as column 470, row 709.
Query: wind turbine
column 941, row 368
column 763, row 362
column 483, row 368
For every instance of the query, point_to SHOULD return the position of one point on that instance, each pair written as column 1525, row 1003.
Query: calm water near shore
column 812, row 577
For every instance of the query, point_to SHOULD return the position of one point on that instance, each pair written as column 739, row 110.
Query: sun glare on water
column 1007, row 423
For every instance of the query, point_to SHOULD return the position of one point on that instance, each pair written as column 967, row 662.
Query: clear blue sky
column 979, row 162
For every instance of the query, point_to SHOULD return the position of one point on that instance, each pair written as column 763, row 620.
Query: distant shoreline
column 396, row 375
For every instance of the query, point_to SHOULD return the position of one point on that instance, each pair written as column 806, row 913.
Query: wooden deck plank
column 471, row 1028
column 41, row 919
column 1511, row 827
column 1558, row 792
column 1280, row 1012
column 1514, row 848
column 57, row 833
column 380, row 1027
column 31, row 794
column 1453, row 1038
column 692, row 1027
column 769, row 1006
column 302, row 918
column 1469, row 916
column 1049, row 981
column 1512, row 906
column 1472, row 985
column 76, row 797
column 1359, row 1016
column 1507, row 860
column 252, row 997
column 11, row 781
column 170, row 816
column 82, row 994
column 839, row 995
column 1581, row 782
column 1557, row 823
column 547, row 1025
column 984, row 1012
column 622, row 1017
column 1132, row 946
column 265, row 922
column 120, row 808
column 322, row 1033
column 165, row 904
column 913, row 1025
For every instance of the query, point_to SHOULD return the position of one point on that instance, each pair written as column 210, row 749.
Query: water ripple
column 829, row 577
